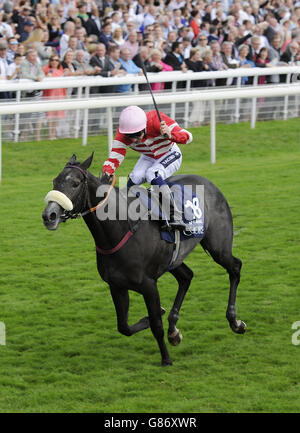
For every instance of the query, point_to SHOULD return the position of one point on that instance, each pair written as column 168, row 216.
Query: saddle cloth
column 187, row 202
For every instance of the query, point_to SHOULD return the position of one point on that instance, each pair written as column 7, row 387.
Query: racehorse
column 133, row 258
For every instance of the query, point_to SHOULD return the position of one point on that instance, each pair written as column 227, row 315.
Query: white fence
column 173, row 99
column 92, row 122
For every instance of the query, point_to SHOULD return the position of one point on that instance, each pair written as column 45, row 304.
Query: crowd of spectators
column 108, row 38
column 95, row 37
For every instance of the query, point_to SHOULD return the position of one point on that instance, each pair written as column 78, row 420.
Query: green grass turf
column 63, row 352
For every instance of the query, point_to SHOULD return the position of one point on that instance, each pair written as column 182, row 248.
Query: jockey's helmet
column 132, row 119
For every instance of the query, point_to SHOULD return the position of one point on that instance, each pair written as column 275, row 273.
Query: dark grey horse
column 134, row 258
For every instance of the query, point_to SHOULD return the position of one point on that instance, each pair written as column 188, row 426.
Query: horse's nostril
column 51, row 215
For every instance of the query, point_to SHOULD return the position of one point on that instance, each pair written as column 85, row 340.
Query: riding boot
column 175, row 221
column 170, row 212
column 130, row 183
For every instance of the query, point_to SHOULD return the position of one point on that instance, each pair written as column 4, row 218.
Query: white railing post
column 0, row 149
column 109, row 128
column 187, row 106
column 136, row 89
column 85, row 119
column 173, row 105
column 212, row 132
column 17, row 118
column 253, row 106
column 77, row 115
column 286, row 99
column 237, row 102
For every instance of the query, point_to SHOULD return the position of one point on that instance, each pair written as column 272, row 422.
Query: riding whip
column 149, row 87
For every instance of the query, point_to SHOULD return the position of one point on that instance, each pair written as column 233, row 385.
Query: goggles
column 135, row 134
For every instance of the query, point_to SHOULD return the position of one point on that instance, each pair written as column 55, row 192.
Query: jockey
column 156, row 141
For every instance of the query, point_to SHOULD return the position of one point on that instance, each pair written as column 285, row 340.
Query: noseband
column 69, row 213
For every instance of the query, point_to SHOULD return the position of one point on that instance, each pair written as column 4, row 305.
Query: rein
column 102, row 203
column 117, row 247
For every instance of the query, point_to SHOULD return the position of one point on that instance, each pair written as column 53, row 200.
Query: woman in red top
column 54, row 69
column 195, row 23
column 156, row 59
column 262, row 59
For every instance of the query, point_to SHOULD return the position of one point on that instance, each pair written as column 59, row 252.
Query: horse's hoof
column 175, row 338
column 166, row 362
column 241, row 327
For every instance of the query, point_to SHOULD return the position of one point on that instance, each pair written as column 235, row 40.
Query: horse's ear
column 86, row 164
column 72, row 160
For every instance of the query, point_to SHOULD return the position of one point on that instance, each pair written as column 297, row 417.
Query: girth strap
column 117, row 247
column 176, row 249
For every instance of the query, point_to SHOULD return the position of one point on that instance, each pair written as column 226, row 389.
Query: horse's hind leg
column 121, row 301
column 223, row 256
column 184, row 276
column 234, row 270
column 233, row 266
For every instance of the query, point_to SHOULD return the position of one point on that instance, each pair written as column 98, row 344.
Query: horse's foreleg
column 121, row 301
column 151, row 297
column 184, row 276
column 234, row 270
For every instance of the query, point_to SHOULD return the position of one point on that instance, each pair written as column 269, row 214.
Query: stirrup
column 177, row 225
column 173, row 225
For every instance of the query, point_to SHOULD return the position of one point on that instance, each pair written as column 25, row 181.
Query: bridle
column 66, row 203
column 70, row 214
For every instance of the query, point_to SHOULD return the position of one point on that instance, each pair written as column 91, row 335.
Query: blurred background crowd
column 52, row 38
column 41, row 38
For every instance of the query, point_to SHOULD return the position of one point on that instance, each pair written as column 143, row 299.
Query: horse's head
column 69, row 193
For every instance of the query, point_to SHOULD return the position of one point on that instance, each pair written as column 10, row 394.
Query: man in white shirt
column 69, row 30
column 3, row 62
column 12, row 49
column 5, row 28
column 14, row 68
column 3, row 67
column 150, row 16
column 72, row 46
column 116, row 20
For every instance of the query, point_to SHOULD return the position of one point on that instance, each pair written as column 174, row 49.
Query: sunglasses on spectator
column 203, row 39
column 54, row 60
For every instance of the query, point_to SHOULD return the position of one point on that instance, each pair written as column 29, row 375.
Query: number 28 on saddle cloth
column 189, row 204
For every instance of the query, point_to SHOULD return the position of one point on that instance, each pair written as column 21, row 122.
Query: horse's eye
column 75, row 184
